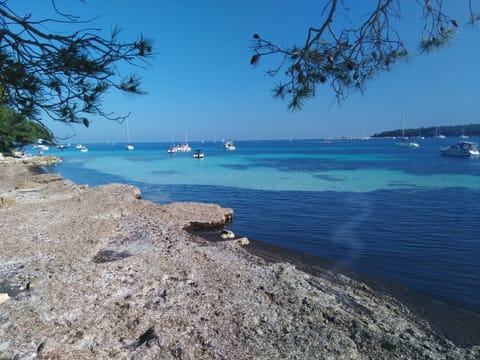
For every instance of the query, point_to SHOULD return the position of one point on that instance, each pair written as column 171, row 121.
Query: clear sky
column 200, row 82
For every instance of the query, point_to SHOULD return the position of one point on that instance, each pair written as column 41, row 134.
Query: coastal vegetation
column 16, row 131
column 48, row 72
column 347, row 57
column 448, row 131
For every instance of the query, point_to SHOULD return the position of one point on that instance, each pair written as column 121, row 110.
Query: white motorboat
column 461, row 149
column 198, row 154
column 228, row 144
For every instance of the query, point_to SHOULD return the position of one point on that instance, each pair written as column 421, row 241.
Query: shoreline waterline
column 416, row 224
column 124, row 268
column 459, row 324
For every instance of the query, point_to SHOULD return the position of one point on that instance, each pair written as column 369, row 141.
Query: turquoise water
column 409, row 215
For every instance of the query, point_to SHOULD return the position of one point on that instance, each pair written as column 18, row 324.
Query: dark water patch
column 236, row 167
column 164, row 172
column 402, row 184
column 303, row 165
column 347, row 155
column 135, row 158
column 332, row 178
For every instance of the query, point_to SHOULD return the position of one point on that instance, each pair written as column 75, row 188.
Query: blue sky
column 200, row 82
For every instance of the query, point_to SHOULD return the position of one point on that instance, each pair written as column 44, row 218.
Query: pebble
column 4, row 297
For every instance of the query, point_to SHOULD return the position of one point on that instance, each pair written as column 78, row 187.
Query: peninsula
column 471, row 130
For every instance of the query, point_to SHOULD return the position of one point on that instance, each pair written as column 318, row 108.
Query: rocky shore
column 99, row 273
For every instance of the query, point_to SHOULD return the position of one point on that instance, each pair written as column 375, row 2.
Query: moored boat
column 183, row 147
column 228, row 144
column 407, row 143
column 404, row 142
column 129, row 145
column 198, row 154
column 461, row 149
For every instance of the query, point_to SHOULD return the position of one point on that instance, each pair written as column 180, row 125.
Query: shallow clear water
column 409, row 215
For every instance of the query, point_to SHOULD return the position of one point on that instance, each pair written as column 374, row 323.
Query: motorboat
column 228, row 144
column 198, row 154
column 84, row 149
column 461, row 149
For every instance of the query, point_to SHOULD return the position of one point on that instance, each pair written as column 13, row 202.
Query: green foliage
column 16, row 131
column 62, row 75
column 347, row 58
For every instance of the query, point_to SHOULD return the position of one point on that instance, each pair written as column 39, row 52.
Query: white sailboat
column 129, row 145
column 405, row 142
column 184, row 147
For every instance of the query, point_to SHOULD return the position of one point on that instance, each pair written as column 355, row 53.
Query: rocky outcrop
column 29, row 160
column 99, row 273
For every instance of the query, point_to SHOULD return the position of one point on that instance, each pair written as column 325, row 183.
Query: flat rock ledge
column 99, row 273
column 29, row 160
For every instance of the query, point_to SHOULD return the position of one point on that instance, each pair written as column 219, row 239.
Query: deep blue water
column 409, row 215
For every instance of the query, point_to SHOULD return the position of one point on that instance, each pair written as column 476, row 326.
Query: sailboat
column 129, row 145
column 184, row 147
column 438, row 135
column 404, row 142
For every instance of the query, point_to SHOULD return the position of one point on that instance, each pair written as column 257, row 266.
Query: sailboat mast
column 129, row 145
column 403, row 127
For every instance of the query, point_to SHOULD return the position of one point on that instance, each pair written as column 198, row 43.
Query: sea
column 404, row 214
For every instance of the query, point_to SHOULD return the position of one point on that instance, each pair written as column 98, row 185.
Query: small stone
column 40, row 348
column 147, row 337
column 4, row 297
column 31, row 284
column 243, row 241
column 227, row 234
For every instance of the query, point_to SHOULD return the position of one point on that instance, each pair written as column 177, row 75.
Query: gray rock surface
column 99, row 273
